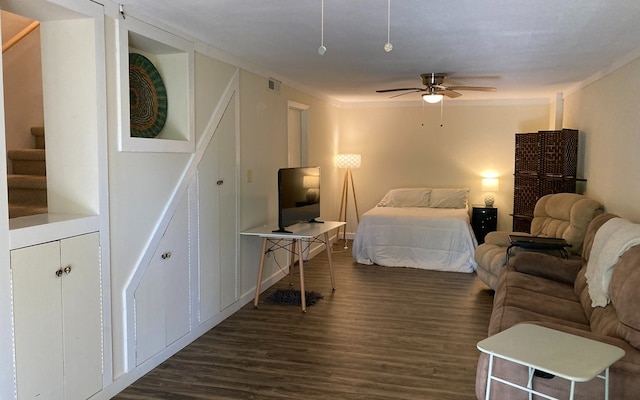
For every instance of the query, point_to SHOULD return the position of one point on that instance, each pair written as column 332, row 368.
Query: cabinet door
column 162, row 299
column 38, row 321
column 58, row 320
column 149, row 303
column 227, row 198
column 176, row 275
column 209, row 226
column 82, row 317
column 217, row 209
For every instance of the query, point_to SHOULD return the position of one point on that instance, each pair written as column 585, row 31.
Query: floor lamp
column 349, row 162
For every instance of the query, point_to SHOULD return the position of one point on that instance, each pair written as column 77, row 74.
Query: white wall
column 263, row 124
column 407, row 147
column 607, row 113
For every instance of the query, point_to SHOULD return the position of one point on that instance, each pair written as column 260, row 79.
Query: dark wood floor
column 385, row 333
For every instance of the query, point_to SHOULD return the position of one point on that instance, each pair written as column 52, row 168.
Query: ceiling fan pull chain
column 322, row 49
column 388, row 46
column 441, row 112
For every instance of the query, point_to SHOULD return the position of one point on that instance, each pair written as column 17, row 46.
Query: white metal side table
column 568, row 356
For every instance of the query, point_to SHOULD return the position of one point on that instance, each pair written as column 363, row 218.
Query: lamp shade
column 348, row 160
column 490, row 184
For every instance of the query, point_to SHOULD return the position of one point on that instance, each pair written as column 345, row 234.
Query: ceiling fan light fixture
column 432, row 98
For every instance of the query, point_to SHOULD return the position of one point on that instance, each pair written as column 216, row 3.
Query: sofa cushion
column 595, row 224
column 625, row 298
column 548, row 267
column 581, row 290
column 522, row 297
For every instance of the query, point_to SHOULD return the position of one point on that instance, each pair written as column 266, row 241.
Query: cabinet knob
column 166, row 255
column 67, row 269
column 59, row 273
column 220, row 182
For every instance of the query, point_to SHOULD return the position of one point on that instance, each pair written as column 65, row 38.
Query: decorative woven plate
column 147, row 97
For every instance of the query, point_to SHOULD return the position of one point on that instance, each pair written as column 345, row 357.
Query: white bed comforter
column 417, row 237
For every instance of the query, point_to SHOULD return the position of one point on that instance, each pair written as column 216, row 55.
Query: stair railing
column 20, row 35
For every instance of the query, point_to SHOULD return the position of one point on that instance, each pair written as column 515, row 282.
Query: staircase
column 27, row 184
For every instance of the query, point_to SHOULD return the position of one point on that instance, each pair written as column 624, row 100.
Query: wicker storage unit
column 545, row 162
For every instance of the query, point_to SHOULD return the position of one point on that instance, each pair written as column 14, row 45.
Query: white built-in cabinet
column 58, row 319
column 162, row 300
column 217, row 199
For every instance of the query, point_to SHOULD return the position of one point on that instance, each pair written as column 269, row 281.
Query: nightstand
column 483, row 220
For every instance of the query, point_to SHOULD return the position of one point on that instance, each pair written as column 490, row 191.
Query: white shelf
column 42, row 228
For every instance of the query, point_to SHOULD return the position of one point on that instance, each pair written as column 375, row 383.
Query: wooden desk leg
column 303, row 300
column 262, row 254
column 326, row 246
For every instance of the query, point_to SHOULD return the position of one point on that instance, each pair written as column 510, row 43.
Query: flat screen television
column 298, row 196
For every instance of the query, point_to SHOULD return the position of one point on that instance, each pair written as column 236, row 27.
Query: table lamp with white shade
column 490, row 186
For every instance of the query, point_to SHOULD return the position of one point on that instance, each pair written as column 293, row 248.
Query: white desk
column 297, row 233
column 571, row 357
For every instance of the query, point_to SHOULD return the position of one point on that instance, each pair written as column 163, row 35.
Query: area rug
column 292, row 297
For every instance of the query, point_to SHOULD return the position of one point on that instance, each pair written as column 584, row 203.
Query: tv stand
column 299, row 232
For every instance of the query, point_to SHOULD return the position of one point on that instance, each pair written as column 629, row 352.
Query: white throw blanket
column 610, row 242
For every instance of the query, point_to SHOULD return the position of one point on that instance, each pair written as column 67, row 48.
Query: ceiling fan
column 435, row 89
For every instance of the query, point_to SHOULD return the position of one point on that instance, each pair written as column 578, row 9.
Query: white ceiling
column 525, row 48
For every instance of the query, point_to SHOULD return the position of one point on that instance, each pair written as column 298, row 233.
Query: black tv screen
column 298, row 196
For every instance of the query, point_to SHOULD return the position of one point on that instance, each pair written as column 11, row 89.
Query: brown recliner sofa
column 553, row 292
column 560, row 215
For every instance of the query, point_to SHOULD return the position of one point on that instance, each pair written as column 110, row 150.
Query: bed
column 418, row 228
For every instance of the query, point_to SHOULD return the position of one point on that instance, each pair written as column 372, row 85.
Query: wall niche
column 156, row 89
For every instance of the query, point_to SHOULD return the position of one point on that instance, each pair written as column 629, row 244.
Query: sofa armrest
column 501, row 238
column 547, row 266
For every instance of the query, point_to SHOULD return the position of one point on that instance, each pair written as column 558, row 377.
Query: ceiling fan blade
column 396, row 90
column 476, row 88
column 402, row 94
column 450, row 93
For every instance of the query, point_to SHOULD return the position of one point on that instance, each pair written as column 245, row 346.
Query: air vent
column 274, row 85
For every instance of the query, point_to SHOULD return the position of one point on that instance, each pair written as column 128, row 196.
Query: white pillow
column 406, row 197
column 448, row 198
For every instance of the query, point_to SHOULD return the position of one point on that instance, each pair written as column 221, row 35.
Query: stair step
column 16, row 181
column 27, row 154
column 38, row 133
column 17, row 210
column 28, row 161
column 27, row 190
